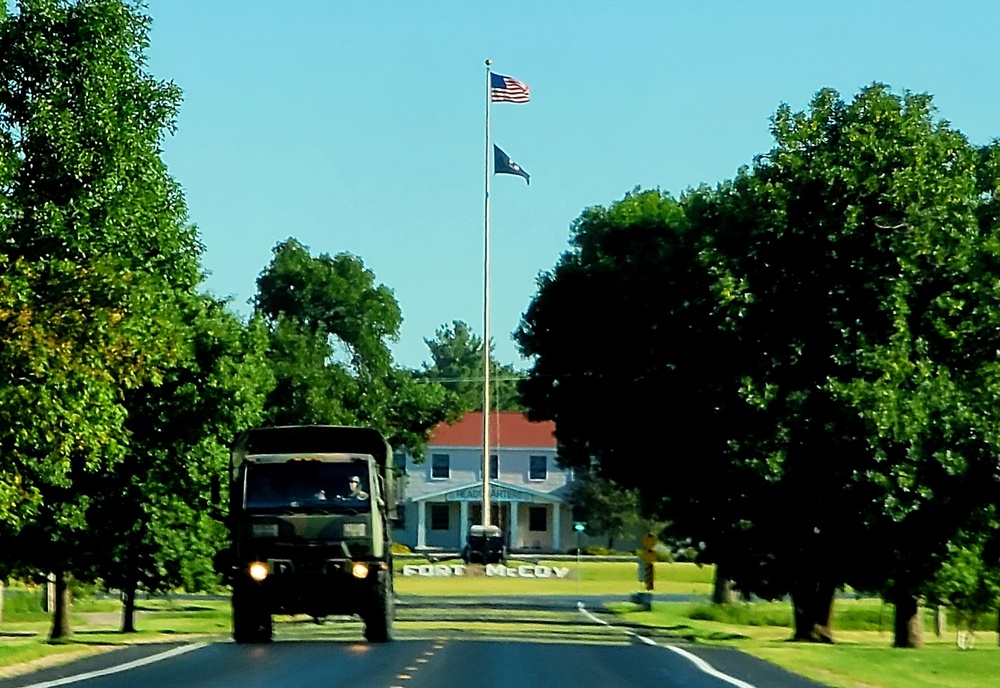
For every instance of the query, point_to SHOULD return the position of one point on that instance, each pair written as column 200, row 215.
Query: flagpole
column 486, row 316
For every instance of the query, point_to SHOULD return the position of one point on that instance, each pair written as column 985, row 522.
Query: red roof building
column 528, row 487
column 507, row 429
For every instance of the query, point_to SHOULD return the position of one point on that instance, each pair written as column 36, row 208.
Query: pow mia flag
column 502, row 164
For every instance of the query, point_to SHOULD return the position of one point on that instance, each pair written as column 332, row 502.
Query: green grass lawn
column 587, row 578
column 869, row 662
column 862, row 657
column 96, row 624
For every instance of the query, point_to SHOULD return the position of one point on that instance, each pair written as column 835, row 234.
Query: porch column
column 556, row 527
column 514, row 508
column 463, row 522
column 421, row 524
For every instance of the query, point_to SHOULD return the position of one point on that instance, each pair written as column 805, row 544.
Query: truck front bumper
column 317, row 588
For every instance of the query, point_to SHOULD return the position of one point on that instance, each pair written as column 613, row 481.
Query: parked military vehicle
column 310, row 525
column 484, row 545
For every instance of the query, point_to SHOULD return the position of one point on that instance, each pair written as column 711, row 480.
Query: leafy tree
column 830, row 318
column 159, row 508
column 871, row 351
column 330, row 326
column 93, row 233
column 609, row 509
column 633, row 363
column 69, row 343
column 457, row 355
column 969, row 579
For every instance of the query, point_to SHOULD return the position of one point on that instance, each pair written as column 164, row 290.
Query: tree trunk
column 812, row 605
column 722, row 587
column 128, row 608
column 800, row 614
column 826, row 596
column 908, row 626
column 60, row 613
column 940, row 621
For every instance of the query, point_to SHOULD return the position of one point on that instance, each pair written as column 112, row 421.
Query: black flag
column 502, row 164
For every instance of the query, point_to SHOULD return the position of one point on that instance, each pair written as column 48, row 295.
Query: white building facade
column 443, row 495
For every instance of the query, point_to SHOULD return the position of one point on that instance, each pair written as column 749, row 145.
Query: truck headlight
column 360, row 570
column 355, row 530
column 258, row 571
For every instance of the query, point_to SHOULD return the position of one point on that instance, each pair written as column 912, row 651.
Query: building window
column 537, row 468
column 537, row 516
column 440, row 466
column 494, row 467
column 439, row 516
column 400, row 516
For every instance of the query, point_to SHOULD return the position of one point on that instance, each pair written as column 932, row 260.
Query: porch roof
column 499, row 491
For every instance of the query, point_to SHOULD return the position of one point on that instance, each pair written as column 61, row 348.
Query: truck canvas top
column 310, row 439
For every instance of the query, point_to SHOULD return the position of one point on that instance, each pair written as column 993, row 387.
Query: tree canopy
column 330, row 328
column 95, row 241
column 825, row 321
column 457, row 364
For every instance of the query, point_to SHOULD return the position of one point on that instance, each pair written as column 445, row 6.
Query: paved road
column 448, row 641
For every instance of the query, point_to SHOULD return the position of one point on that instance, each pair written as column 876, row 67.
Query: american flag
column 504, row 89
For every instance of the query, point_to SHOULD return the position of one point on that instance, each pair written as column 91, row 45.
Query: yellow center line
column 404, row 677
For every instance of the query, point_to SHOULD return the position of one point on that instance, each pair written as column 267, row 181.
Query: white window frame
column 447, row 458
column 545, row 468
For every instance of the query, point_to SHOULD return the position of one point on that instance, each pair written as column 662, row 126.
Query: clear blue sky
column 359, row 127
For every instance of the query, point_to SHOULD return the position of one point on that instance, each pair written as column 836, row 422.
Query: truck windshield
column 313, row 484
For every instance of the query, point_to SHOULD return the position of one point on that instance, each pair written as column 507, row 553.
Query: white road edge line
column 694, row 659
column 119, row 668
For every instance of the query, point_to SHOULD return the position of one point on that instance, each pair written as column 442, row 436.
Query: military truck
column 309, row 517
column 484, row 545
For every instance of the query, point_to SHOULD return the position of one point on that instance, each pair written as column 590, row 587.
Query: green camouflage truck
column 309, row 517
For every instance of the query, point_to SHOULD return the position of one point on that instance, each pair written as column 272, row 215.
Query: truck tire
column 381, row 613
column 252, row 622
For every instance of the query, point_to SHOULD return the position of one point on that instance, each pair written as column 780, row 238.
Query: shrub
column 23, row 604
column 686, row 554
column 744, row 614
column 79, row 590
column 849, row 617
column 400, row 548
column 598, row 551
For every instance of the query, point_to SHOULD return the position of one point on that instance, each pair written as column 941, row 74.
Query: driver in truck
column 356, row 492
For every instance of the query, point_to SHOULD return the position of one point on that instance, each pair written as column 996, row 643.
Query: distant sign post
column 647, row 556
column 579, row 527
